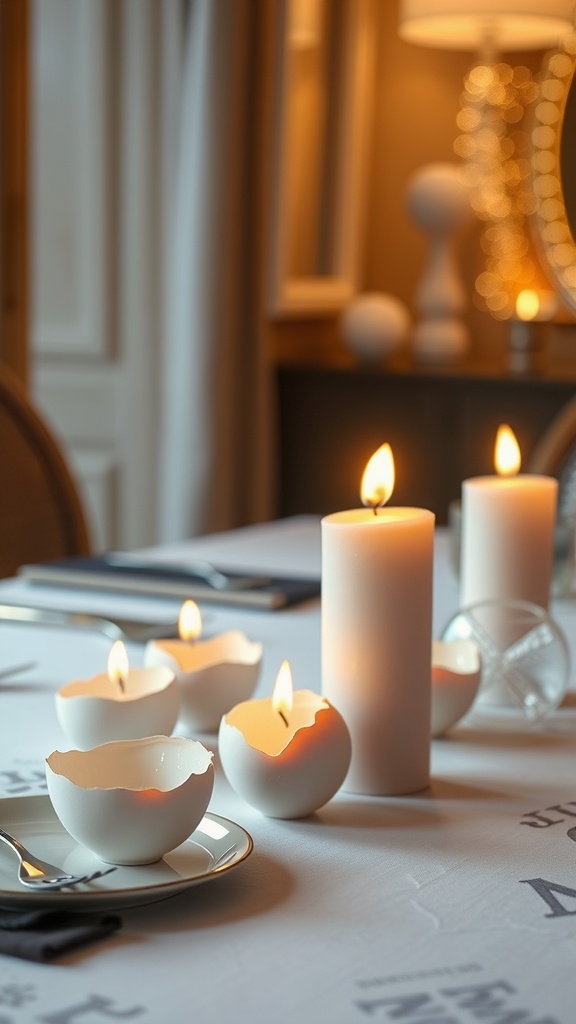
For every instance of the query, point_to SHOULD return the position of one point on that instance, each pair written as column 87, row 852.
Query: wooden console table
column 440, row 422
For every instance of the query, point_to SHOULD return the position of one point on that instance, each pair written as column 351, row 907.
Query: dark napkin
column 46, row 934
column 157, row 581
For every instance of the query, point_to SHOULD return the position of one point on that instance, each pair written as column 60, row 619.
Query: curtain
column 216, row 439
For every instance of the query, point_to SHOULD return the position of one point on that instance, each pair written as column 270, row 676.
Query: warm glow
column 507, row 453
column 189, row 621
column 282, row 696
column 527, row 304
column 118, row 665
column 378, row 479
column 305, row 19
column 510, row 26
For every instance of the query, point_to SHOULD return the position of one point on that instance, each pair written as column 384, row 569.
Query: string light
column 556, row 244
column 494, row 148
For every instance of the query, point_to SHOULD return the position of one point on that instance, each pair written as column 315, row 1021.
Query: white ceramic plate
column 213, row 849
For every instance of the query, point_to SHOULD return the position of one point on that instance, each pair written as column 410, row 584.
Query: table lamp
column 506, row 25
column 491, row 144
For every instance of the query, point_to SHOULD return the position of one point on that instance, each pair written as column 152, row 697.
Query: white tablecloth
column 454, row 905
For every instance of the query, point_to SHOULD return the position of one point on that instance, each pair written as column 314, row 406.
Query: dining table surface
column 452, row 905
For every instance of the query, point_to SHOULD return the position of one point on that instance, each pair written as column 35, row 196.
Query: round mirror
column 554, row 168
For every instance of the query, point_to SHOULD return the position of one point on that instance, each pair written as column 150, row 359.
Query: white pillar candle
column 377, row 635
column 508, row 523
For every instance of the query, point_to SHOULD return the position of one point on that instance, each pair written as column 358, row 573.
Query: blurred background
column 245, row 242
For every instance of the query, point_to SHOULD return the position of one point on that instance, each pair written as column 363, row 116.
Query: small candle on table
column 212, row 674
column 178, row 653
column 528, row 330
column 377, row 633
column 119, row 704
column 508, row 523
column 287, row 754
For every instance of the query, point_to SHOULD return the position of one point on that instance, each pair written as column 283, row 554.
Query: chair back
column 41, row 514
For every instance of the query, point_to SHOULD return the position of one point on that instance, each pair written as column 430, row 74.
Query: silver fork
column 38, row 874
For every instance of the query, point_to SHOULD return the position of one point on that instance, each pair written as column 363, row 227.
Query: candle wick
column 121, row 684
column 284, row 719
column 375, row 509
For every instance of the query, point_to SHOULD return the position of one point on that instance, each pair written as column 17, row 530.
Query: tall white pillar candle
column 507, row 535
column 376, row 641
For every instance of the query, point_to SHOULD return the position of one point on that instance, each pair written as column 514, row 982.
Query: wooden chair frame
column 556, row 442
column 14, row 200
column 52, row 523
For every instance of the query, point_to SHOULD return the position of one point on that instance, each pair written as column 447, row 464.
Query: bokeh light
column 495, row 148
column 556, row 243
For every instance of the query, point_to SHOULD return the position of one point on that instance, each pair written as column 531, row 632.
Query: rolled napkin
column 43, row 935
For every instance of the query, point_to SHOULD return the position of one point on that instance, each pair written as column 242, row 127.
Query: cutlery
column 198, row 569
column 14, row 670
column 39, row 874
column 116, row 629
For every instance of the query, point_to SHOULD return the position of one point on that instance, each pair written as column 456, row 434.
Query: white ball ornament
column 374, row 326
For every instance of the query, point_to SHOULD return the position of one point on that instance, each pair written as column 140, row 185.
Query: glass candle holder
column 524, row 652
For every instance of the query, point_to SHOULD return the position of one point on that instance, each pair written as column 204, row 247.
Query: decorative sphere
column 438, row 198
column 374, row 325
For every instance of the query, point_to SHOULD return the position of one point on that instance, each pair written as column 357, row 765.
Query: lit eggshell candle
column 123, row 703
column 286, row 755
column 377, row 633
column 212, row 675
column 456, row 671
column 508, row 523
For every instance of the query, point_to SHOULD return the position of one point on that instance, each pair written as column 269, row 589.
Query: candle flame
column 507, row 458
column 282, row 697
column 527, row 304
column 378, row 478
column 118, row 664
column 189, row 621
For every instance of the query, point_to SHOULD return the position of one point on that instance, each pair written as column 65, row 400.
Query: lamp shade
column 467, row 24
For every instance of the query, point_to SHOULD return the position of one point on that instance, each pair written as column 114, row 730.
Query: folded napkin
column 152, row 580
column 46, row 934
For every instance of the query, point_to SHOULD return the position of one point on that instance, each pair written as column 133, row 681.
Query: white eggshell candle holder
column 213, row 675
column 98, row 710
column 133, row 801
column 286, row 771
column 456, row 671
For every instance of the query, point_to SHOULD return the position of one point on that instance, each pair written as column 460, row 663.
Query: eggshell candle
column 286, row 759
column 456, row 671
column 377, row 634
column 131, row 802
column 212, row 675
column 508, row 524
column 133, row 703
